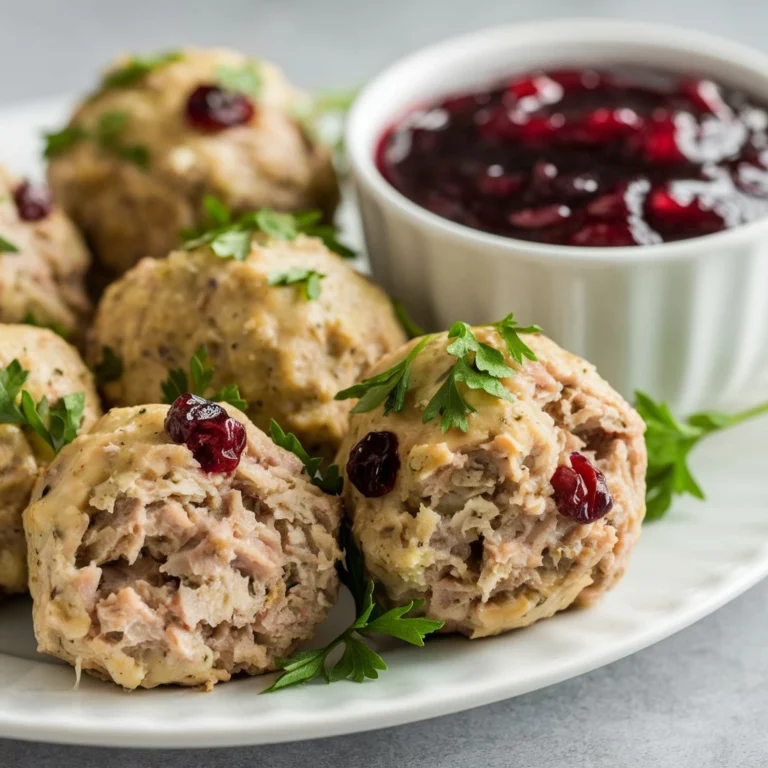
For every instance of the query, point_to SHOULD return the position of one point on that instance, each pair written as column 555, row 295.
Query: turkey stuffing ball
column 535, row 507
column 287, row 353
column 54, row 370
column 139, row 156
column 43, row 260
column 154, row 559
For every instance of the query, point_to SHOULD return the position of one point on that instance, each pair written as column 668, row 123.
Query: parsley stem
column 750, row 413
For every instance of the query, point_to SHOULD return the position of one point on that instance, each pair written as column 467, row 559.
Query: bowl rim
column 589, row 31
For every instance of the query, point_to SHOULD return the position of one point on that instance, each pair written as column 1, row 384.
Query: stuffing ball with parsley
column 287, row 321
column 42, row 364
column 494, row 475
column 153, row 560
column 43, row 260
column 139, row 155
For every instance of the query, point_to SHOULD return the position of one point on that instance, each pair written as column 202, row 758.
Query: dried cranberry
column 215, row 438
column 212, row 108
column 32, row 202
column 580, row 491
column 374, row 463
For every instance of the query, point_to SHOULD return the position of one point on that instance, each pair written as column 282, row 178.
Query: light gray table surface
column 696, row 700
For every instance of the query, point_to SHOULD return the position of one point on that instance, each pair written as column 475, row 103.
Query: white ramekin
column 684, row 321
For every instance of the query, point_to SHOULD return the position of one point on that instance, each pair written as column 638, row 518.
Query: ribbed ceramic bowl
column 684, row 321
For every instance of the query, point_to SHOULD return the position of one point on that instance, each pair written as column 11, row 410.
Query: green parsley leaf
column 670, row 442
column 479, row 366
column 232, row 239
column 7, row 247
column 110, row 368
column 58, row 142
column 309, row 278
column 57, row 328
column 57, row 425
column 359, row 661
column 109, row 128
column 328, row 481
column 247, row 79
column 138, row 67
column 509, row 330
column 389, row 387
column 200, row 375
column 352, row 570
column 411, row 328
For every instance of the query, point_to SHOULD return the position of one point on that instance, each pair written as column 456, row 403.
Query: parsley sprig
column 478, row 366
column 110, row 368
column 358, row 661
column 389, row 387
column 30, row 319
column 198, row 382
column 138, row 67
column 246, row 79
column 412, row 329
column 107, row 135
column 6, row 246
column 230, row 238
column 56, row 424
column 670, row 442
column 328, row 480
column 308, row 279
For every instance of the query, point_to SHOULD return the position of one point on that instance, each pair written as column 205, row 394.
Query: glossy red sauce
column 586, row 158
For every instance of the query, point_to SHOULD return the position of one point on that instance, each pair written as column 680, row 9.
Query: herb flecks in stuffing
column 358, row 661
column 56, row 424
column 246, row 79
column 198, row 382
column 230, row 238
column 670, row 443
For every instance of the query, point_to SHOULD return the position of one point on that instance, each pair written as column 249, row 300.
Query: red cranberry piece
column 670, row 211
column 497, row 124
column 605, row 125
column 537, row 218
column 580, row 491
column 537, row 90
column 659, row 143
column 211, row 108
column 610, row 206
column 578, row 80
column 540, row 129
column 374, row 463
column 495, row 183
column 33, row 203
column 603, row 235
column 216, row 439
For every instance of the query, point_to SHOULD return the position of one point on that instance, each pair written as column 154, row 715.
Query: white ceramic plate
column 700, row 557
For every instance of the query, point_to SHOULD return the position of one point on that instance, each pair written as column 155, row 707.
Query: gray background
column 697, row 700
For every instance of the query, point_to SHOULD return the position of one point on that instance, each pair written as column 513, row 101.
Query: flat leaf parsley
column 246, row 79
column 138, row 67
column 309, row 279
column 230, row 238
column 198, row 382
column 670, row 442
column 110, row 368
column 358, row 661
column 56, row 424
column 478, row 366
column 328, row 480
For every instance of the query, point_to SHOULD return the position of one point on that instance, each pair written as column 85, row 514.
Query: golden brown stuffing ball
column 288, row 354
column 139, row 155
column 43, row 260
column 55, row 369
column 536, row 507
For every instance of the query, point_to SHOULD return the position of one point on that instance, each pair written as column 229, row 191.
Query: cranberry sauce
column 631, row 157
